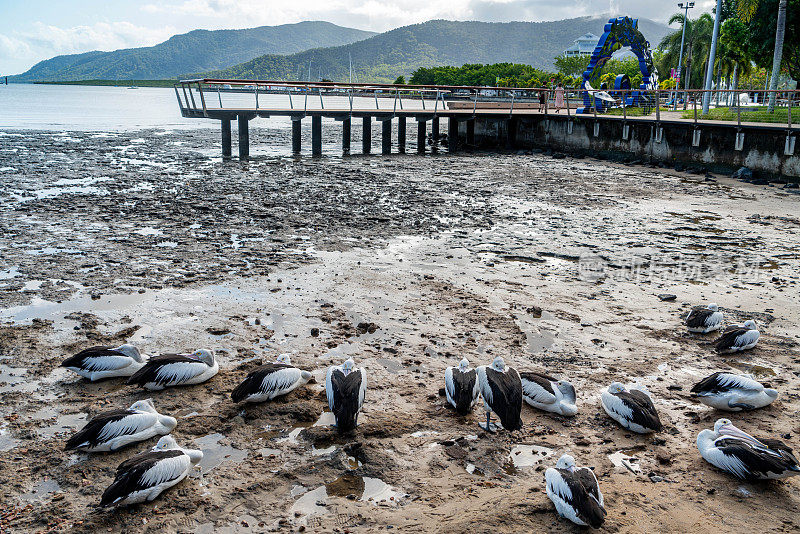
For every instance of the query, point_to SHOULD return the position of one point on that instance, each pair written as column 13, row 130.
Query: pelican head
column 499, row 364
column 724, row 428
column 130, row 351
column 616, row 387
column 750, row 324
column 284, row 358
column 566, row 462
column 713, row 307
column 463, row 365
column 203, row 355
column 348, row 366
column 145, row 405
column 166, row 443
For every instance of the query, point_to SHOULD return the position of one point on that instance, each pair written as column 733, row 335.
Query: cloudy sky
column 32, row 30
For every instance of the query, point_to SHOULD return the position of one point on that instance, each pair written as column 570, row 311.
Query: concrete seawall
column 761, row 148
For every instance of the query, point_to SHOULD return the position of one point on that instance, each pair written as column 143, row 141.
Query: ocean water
column 86, row 108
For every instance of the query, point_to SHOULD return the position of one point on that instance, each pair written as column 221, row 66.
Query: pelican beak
column 730, row 430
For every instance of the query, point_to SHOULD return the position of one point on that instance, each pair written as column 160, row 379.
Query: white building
column 582, row 46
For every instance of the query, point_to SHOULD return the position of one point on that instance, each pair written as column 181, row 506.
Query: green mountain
column 437, row 42
column 198, row 50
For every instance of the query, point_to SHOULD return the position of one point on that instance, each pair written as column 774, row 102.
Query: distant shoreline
column 114, row 83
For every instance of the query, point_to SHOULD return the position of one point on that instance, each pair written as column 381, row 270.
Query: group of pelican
column 146, row 475
column 573, row 490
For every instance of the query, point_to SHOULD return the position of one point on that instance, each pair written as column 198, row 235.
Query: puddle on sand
column 64, row 423
column 528, row 455
column 392, row 366
column 326, row 419
column 41, row 490
column 214, row 453
column 323, row 452
column 757, row 371
column 7, row 441
column 292, row 437
column 366, row 489
column 13, row 379
column 626, row 461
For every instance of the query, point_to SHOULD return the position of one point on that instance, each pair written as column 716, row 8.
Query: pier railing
column 244, row 100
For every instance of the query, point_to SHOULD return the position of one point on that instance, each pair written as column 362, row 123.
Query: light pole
column 686, row 7
column 711, row 57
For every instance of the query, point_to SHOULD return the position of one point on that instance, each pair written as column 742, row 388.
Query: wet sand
column 406, row 264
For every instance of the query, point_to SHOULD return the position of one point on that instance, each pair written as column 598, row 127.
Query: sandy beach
column 407, row 264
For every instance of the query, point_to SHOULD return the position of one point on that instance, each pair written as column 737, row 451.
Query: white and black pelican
column 176, row 370
column 271, row 380
column 143, row 477
column 733, row 393
column 345, row 386
column 461, row 387
column 97, row 363
column 704, row 320
column 549, row 394
column 632, row 409
column 744, row 456
column 738, row 338
column 501, row 389
column 575, row 493
column 113, row 430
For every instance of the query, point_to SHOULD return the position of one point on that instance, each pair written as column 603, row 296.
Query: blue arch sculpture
column 619, row 32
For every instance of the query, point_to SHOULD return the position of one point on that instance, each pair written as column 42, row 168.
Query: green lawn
column 780, row 115
column 633, row 111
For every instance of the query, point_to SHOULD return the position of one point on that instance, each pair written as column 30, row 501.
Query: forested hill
column 438, row 42
column 198, row 50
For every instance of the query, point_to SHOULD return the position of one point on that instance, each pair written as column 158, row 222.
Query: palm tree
column 747, row 9
column 732, row 37
column 696, row 47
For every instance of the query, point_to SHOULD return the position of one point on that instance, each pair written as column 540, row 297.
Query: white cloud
column 21, row 49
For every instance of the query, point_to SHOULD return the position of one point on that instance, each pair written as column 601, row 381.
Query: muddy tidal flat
column 407, row 264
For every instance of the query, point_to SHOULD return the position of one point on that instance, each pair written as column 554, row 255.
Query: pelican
column 744, row 456
column 501, row 389
column 113, row 430
column 602, row 95
column 738, row 338
column 575, row 493
column 345, row 387
column 97, row 363
column 733, row 393
column 704, row 320
column 270, row 381
column 176, row 370
column 461, row 387
column 546, row 393
column 632, row 409
column 143, row 477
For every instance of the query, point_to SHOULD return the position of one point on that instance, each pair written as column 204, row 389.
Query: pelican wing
column 145, row 471
column 345, row 396
column 569, row 487
column 641, row 408
column 461, row 388
column 538, row 387
column 589, row 482
column 750, row 462
column 168, row 369
column 110, row 425
column 722, row 382
column 270, row 379
column 506, row 396
column 736, row 338
column 96, row 359
column 698, row 318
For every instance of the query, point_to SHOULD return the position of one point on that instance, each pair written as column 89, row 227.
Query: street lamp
column 686, row 7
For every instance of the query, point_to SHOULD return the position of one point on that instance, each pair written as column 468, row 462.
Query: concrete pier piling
column 435, row 131
column 470, row 133
column 386, row 136
column 401, row 135
column 226, row 138
column 244, row 137
column 297, row 125
column 346, row 136
column 421, row 134
column 366, row 135
column 452, row 135
column 316, row 135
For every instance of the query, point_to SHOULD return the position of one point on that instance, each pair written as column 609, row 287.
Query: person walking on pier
column 559, row 97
